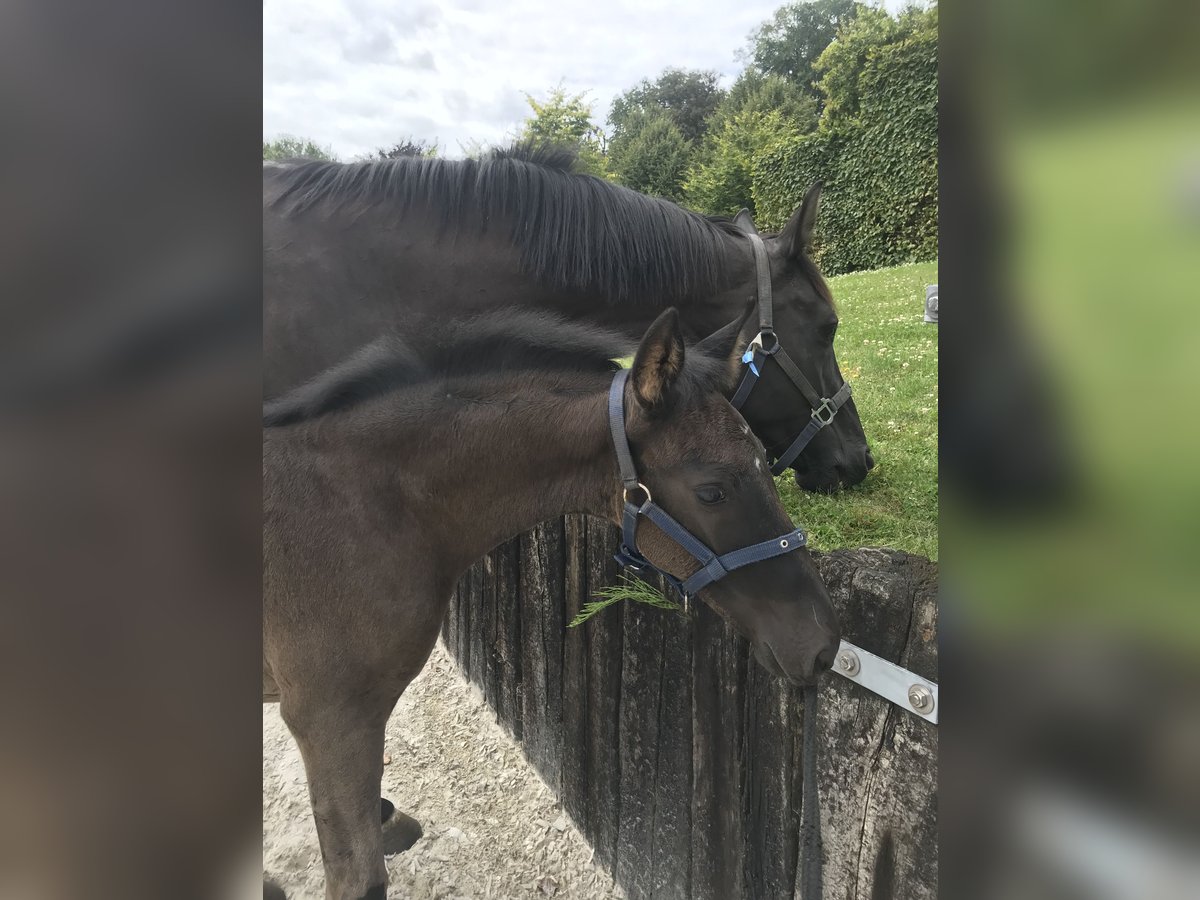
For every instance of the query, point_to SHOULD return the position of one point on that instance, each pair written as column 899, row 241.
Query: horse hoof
column 400, row 832
column 272, row 891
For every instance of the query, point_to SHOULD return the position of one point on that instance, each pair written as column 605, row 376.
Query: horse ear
column 797, row 234
column 658, row 363
column 745, row 222
column 726, row 346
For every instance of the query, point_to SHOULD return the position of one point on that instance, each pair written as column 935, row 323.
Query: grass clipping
column 630, row 588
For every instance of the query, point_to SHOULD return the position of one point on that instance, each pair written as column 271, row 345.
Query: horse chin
column 820, row 482
column 766, row 657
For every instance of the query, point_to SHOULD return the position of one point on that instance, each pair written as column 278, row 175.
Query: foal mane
column 490, row 345
column 573, row 231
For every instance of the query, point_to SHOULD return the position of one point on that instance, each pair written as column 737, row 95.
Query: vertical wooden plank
column 772, row 791
column 672, row 874
column 718, row 677
column 464, row 625
column 473, row 595
column 542, row 607
column 450, row 625
column 641, row 685
column 603, row 698
column 506, row 595
column 463, row 592
column 574, row 768
column 489, row 609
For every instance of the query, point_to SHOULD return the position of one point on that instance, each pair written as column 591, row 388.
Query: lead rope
column 811, row 886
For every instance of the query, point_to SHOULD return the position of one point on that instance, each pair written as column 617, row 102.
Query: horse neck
column 704, row 314
column 492, row 459
column 701, row 313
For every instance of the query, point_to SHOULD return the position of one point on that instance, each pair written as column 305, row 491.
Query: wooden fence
column 675, row 752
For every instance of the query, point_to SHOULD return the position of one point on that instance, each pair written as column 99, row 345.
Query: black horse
column 359, row 250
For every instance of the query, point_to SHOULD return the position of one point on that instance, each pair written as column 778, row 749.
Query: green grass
column 631, row 588
column 890, row 356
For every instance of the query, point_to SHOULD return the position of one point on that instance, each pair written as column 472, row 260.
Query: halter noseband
column 766, row 346
column 712, row 567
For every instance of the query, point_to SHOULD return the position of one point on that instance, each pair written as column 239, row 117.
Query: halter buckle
column 631, row 560
column 825, row 412
column 645, row 490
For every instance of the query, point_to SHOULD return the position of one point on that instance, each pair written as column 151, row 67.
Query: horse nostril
column 870, row 461
column 824, row 661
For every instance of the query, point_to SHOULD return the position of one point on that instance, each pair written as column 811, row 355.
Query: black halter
column 766, row 346
column 712, row 567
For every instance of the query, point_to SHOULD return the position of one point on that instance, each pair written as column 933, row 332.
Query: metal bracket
column 891, row 682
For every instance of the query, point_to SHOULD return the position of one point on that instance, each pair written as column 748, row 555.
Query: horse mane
column 573, row 231
column 492, row 345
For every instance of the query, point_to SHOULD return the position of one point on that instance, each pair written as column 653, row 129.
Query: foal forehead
column 721, row 435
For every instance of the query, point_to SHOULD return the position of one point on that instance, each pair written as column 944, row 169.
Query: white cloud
column 359, row 74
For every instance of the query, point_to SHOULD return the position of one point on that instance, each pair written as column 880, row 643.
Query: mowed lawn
column 890, row 356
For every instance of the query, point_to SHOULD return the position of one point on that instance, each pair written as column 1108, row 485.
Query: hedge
column 879, row 205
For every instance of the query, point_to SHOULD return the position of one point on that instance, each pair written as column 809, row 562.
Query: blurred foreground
column 130, row 499
column 1071, row 256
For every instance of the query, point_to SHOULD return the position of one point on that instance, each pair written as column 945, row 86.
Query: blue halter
column 712, row 567
column 766, row 346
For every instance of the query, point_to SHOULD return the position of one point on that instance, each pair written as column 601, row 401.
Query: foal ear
column 658, row 363
column 745, row 222
column 797, row 234
column 727, row 345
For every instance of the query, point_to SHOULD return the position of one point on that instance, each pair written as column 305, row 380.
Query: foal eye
column 710, row 493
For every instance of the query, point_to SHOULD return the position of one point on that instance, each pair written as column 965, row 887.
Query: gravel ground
column 492, row 827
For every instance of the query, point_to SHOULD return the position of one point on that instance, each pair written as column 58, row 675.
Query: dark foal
column 370, row 519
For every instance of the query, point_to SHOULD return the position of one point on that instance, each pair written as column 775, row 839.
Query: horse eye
column 710, row 493
column 829, row 332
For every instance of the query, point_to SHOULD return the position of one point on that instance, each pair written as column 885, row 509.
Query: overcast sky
column 361, row 74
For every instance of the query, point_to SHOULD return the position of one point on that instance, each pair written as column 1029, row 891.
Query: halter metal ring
column 825, row 412
column 645, row 490
column 771, row 337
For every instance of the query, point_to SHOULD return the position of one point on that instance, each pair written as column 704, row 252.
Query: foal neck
column 488, row 459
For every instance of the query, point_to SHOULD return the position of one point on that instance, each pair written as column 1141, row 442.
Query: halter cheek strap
column 713, row 567
column 765, row 347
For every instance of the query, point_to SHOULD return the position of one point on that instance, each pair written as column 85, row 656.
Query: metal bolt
column 921, row 698
column 847, row 662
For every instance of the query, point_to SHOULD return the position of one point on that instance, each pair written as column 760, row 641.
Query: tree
column 287, row 146
column 720, row 181
column 758, row 112
column 567, row 120
column 841, row 64
column 407, row 147
column 688, row 97
column 652, row 155
column 755, row 92
column 790, row 42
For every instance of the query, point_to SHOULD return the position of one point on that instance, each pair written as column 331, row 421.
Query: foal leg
column 342, row 747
